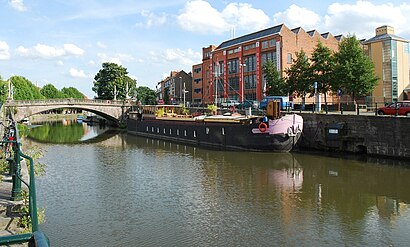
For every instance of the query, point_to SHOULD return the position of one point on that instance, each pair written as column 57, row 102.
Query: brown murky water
column 124, row 190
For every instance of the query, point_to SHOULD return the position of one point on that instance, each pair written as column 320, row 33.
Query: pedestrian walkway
column 8, row 215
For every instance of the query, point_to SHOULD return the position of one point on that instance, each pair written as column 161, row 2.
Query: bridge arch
column 115, row 111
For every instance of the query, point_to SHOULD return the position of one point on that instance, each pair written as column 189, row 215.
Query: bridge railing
column 36, row 237
column 69, row 101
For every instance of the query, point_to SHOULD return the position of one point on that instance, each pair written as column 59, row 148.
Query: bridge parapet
column 113, row 110
column 70, row 101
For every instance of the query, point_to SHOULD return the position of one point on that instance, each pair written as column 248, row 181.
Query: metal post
column 375, row 111
column 16, row 190
column 358, row 109
column 341, row 108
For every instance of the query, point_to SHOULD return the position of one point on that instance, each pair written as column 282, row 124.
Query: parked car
column 403, row 108
column 229, row 103
column 248, row 103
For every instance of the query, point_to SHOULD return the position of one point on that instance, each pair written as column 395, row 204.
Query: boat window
column 157, row 130
column 207, row 131
column 152, row 129
column 184, row 132
column 177, row 132
column 165, row 131
column 147, row 129
column 223, row 131
column 170, row 131
column 194, row 133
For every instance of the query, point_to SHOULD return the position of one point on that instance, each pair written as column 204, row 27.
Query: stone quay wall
column 373, row 135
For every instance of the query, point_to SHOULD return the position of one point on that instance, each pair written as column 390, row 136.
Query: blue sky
column 64, row 42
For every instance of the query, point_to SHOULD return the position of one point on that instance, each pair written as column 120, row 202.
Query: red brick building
column 233, row 70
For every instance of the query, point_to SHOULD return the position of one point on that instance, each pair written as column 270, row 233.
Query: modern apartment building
column 390, row 55
column 175, row 89
column 233, row 70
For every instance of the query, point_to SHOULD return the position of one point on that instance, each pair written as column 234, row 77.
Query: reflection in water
column 132, row 191
column 65, row 131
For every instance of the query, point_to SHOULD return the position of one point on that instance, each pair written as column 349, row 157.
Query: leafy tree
column 299, row 76
column 146, row 95
column 354, row 71
column 275, row 84
column 23, row 89
column 166, row 96
column 71, row 92
column 3, row 90
column 322, row 66
column 113, row 79
column 49, row 91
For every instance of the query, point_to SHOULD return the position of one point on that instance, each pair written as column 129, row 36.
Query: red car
column 403, row 108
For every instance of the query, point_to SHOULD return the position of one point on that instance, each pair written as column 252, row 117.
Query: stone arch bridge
column 115, row 111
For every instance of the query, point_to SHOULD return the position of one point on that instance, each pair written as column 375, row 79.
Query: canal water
column 107, row 188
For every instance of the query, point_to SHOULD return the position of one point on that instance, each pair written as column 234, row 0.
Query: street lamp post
column 180, row 89
column 243, row 83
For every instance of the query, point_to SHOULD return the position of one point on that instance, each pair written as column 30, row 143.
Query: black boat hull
column 221, row 136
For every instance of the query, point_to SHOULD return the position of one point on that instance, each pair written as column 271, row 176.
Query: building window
column 269, row 56
column 250, row 62
column 272, row 43
column 289, row 58
column 233, row 83
column 233, row 66
column 248, row 47
column 264, row 44
column 250, row 81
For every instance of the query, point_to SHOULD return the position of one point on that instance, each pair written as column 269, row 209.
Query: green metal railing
column 36, row 237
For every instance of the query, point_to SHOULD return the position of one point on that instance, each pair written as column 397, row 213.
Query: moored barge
column 273, row 132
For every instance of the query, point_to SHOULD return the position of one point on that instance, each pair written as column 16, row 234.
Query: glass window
column 264, row 44
column 289, row 58
column 250, row 62
column 233, row 66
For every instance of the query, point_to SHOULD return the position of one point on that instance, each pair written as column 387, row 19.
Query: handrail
column 68, row 101
column 36, row 238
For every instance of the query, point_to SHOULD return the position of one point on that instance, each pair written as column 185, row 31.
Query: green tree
column 113, row 79
column 23, row 89
column 71, row 92
column 299, row 76
column 3, row 90
column 49, row 91
column 166, row 96
column 275, row 84
column 354, row 71
column 146, row 95
column 322, row 67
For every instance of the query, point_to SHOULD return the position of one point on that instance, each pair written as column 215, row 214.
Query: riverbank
column 8, row 216
column 364, row 134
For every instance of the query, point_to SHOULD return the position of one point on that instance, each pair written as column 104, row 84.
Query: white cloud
column 152, row 19
column 46, row 51
column 60, row 63
column 18, row 5
column 4, row 51
column 77, row 73
column 72, row 49
column 200, row 17
column 177, row 56
column 245, row 16
column 363, row 17
column 101, row 45
column 296, row 16
column 104, row 58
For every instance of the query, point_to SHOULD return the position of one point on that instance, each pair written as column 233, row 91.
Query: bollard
column 358, row 109
column 341, row 109
column 396, row 110
column 375, row 111
column 16, row 190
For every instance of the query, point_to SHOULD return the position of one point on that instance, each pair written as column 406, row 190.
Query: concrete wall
column 378, row 135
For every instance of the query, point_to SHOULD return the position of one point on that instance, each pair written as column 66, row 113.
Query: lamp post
column 243, row 83
column 180, row 89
